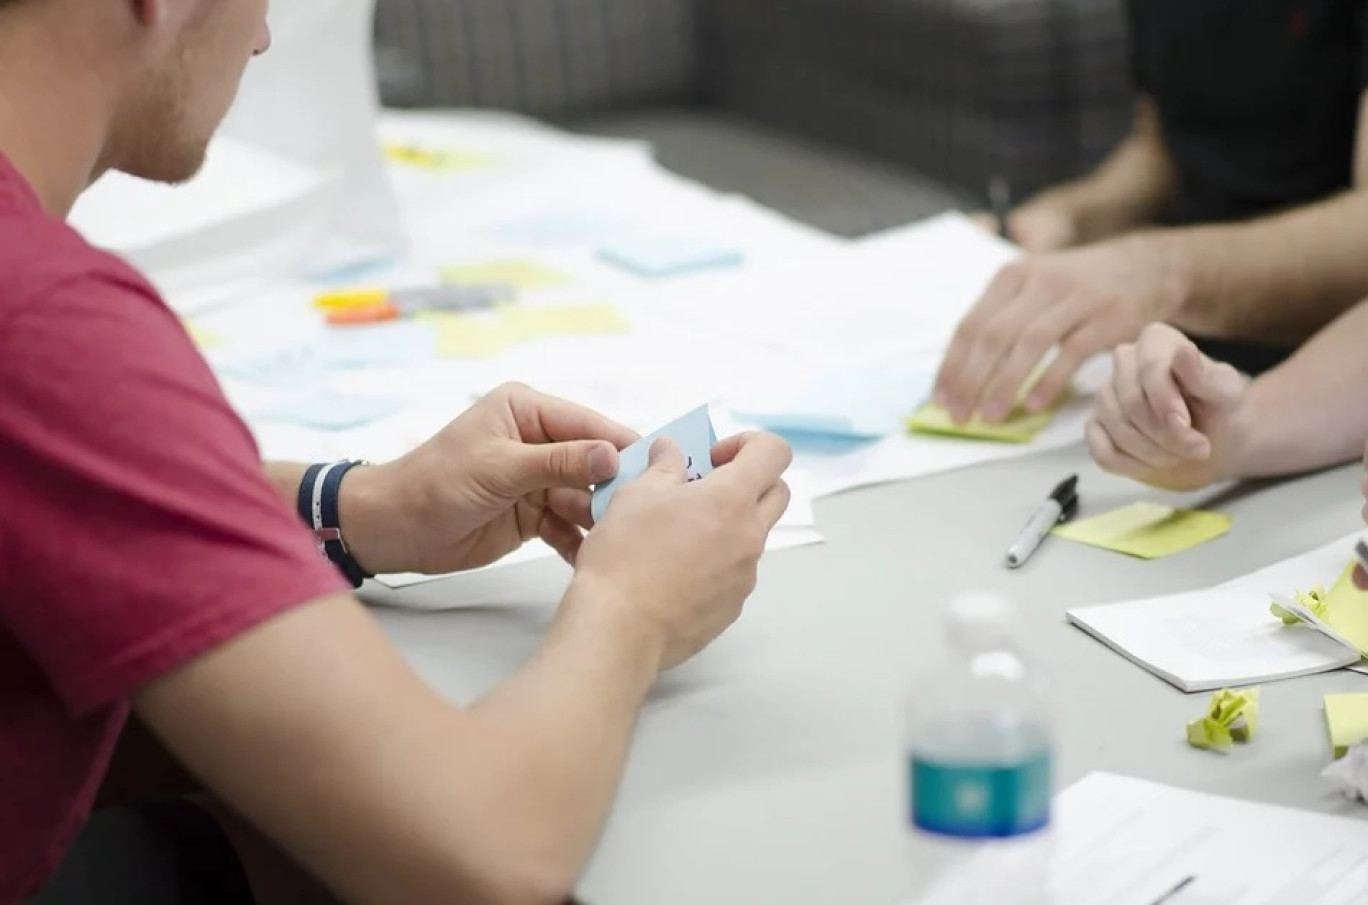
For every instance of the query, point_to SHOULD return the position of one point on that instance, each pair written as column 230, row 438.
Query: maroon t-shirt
column 137, row 526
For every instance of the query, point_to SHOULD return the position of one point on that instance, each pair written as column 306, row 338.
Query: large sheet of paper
column 1123, row 841
column 1227, row 635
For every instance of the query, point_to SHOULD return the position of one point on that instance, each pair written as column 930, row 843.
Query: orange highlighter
column 361, row 307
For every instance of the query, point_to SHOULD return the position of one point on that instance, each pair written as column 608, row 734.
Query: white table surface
column 768, row 770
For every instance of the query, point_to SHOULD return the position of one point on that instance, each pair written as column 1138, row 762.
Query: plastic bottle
column 980, row 766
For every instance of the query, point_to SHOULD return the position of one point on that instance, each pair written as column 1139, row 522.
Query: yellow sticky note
column 1019, row 427
column 582, row 320
column 1147, row 530
column 518, row 274
column 1347, row 717
column 435, row 159
column 205, row 339
column 482, row 335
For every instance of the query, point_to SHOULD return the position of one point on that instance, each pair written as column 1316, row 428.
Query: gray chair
column 850, row 115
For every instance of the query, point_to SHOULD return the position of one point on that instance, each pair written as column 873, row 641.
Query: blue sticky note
column 331, row 411
column 694, row 435
column 848, row 404
column 670, row 256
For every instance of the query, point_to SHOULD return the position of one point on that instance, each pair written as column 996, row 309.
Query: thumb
column 666, row 463
column 1202, row 379
column 577, row 464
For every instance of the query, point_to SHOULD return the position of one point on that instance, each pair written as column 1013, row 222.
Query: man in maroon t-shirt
column 164, row 612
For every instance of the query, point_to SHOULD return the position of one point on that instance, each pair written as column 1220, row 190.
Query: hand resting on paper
column 1080, row 302
column 1169, row 416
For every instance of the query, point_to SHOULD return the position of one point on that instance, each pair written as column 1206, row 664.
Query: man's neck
column 54, row 110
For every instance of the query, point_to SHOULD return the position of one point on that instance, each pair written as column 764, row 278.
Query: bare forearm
column 1311, row 412
column 1132, row 188
column 1275, row 280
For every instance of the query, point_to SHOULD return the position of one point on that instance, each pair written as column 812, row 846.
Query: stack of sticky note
column 853, row 404
column 1341, row 612
column 693, row 433
column 1147, row 530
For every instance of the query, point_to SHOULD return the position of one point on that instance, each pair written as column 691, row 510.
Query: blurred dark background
column 849, row 115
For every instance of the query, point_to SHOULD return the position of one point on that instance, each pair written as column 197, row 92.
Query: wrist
column 370, row 514
column 1164, row 257
column 601, row 608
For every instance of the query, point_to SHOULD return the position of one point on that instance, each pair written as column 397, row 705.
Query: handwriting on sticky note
column 693, row 433
column 1147, row 530
column 518, row 274
column 1346, row 715
column 1019, row 427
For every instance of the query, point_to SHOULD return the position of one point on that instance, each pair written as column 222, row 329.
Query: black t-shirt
column 1259, row 99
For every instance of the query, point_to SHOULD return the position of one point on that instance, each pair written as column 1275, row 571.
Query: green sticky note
column 1147, row 530
column 1346, row 610
column 1347, row 717
column 1019, row 427
column 1232, row 716
column 518, row 274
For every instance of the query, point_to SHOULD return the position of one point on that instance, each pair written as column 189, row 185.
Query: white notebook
column 1227, row 636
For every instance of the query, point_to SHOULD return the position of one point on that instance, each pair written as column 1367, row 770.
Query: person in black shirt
column 1234, row 210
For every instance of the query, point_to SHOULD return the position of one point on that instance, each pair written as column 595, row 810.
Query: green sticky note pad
column 1019, row 427
column 1147, row 530
column 1347, row 717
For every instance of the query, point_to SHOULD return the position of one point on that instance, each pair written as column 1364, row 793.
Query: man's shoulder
column 40, row 255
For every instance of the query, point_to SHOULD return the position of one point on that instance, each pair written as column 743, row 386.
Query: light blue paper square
column 394, row 344
column 331, row 411
column 695, row 437
column 670, row 256
column 857, row 404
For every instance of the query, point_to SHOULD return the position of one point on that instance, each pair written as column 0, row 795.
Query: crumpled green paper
column 1314, row 600
column 1233, row 717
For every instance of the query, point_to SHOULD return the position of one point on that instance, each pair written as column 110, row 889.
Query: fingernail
column 1179, row 419
column 992, row 411
column 662, row 447
column 942, row 399
column 1036, row 402
column 602, row 463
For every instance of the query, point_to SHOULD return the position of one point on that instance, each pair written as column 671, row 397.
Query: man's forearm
column 1277, row 280
column 1311, row 411
column 1132, row 188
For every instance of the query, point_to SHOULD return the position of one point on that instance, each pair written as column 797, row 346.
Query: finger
column 757, row 462
column 773, row 504
column 542, row 418
column 574, row 506
column 1214, row 383
column 561, row 536
column 1108, row 457
column 1163, row 399
column 1360, row 578
column 1111, row 415
column 579, row 464
column 1089, row 339
column 1021, row 333
column 950, row 381
column 1035, row 336
column 667, row 465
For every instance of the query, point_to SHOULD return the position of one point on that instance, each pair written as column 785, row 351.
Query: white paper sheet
column 1123, row 841
column 1226, row 636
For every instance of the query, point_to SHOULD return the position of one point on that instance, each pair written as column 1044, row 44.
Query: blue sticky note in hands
column 331, row 411
column 669, row 256
column 857, row 404
column 693, row 434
